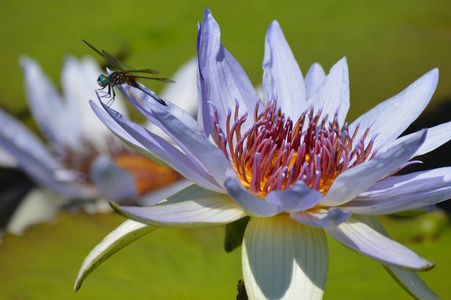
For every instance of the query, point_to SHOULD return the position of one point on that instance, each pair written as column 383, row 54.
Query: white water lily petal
column 145, row 103
column 298, row 197
column 322, row 218
column 155, row 147
column 155, row 196
column 250, row 204
column 436, row 137
column 182, row 93
column 362, row 238
column 45, row 103
column 182, row 129
column 408, row 280
column 194, row 211
column 315, row 76
column 112, row 124
column 194, row 144
column 354, row 181
column 333, row 94
column 391, row 117
column 38, row 206
column 401, row 193
column 283, row 259
column 33, row 157
column 282, row 77
column 222, row 80
column 16, row 137
column 401, row 184
column 125, row 234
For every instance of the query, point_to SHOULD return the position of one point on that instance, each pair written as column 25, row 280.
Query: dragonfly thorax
column 103, row 81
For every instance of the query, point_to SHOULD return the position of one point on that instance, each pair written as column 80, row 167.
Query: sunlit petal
column 283, row 259
column 125, row 234
column 360, row 237
column 282, row 77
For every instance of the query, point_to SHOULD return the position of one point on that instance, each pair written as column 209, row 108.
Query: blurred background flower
column 82, row 164
column 388, row 45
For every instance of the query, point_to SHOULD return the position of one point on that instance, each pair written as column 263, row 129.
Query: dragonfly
column 124, row 74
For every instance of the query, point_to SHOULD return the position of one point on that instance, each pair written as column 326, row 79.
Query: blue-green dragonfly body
column 124, row 74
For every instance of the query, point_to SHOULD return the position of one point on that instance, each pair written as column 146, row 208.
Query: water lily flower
column 81, row 160
column 291, row 163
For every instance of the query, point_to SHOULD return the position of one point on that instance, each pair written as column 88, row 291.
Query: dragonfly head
column 103, row 81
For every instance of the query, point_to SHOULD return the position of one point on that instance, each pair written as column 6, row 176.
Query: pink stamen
column 276, row 152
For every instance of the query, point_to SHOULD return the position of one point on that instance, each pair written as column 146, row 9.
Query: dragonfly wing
column 116, row 63
column 148, row 71
column 96, row 50
column 154, row 78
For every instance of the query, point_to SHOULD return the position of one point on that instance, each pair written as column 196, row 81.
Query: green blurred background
column 388, row 45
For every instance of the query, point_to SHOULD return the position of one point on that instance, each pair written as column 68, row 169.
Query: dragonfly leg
column 111, row 91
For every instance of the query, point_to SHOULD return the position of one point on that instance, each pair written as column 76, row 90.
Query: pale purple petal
column 200, row 208
column 322, row 218
column 282, row 77
column 250, row 204
column 356, row 180
column 408, row 280
column 436, row 137
column 33, row 157
column 390, row 118
column 360, row 237
column 182, row 93
column 298, row 197
column 122, row 236
column 144, row 103
column 7, row 160
column 155, row 148
column 283, row 259
column 315, row 76
column 45, row 102
column 113, row 182
column 223, row 82
column 402, row 193
column 333, row 94
column 191, row 141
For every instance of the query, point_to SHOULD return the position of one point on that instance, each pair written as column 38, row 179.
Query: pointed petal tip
column 69, row 58
column 274, row 25
column 118, row 209
column 23, row 59
column 26, row 62
column 434, row 73
column 342, row 62
column 115, row 207
column 430, row 79
column 77, row 285
column 428, row 266
column 316, row 65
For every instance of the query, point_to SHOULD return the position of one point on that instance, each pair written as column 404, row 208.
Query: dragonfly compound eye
column 103, row 81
